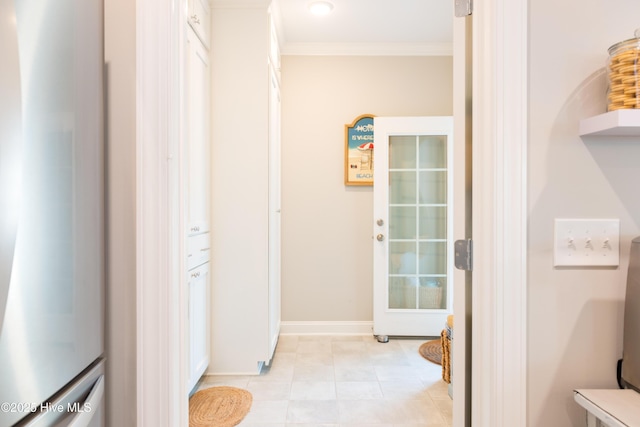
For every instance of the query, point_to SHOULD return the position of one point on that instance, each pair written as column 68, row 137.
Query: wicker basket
column 402, row 295
column 430, row 297
column 446, row 338
column 446, row 356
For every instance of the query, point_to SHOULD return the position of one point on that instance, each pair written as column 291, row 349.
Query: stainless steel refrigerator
column 51, row 213
column 630, row 371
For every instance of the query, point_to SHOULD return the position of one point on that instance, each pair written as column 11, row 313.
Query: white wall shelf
column 613, row 123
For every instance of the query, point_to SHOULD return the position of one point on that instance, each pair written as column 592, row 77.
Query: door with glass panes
column 413, row 242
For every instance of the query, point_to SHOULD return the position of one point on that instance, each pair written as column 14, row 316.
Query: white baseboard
column 327, row 328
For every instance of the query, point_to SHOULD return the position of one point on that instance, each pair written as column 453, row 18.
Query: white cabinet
column 198, row 291
column 197, row 135
column 245, row 190
column 274, row 207
column 197, row 190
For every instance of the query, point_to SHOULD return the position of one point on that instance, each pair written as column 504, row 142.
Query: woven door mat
column 219, row 406
column 432, row 351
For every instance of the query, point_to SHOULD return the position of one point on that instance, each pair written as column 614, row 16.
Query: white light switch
column 584, row 242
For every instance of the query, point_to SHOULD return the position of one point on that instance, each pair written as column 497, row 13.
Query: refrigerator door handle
column 10, row 146
column 90, row 405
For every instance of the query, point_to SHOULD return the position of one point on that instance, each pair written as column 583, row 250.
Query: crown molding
column 368, row 49
column 240, row 4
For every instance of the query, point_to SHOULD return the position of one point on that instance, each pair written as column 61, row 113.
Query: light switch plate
column 586, row 242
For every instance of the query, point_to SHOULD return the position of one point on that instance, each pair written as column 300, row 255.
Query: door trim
column 160, row 356
column 500, row 136
column 499, row 336
column 462, row 116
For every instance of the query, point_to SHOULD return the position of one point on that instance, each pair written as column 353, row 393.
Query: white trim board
column 326, row 328
column 500, row 136
column 160, row 393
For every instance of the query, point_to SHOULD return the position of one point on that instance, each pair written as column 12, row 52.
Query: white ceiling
column 418, row 27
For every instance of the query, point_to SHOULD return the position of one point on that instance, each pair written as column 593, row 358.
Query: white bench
column 610, row 408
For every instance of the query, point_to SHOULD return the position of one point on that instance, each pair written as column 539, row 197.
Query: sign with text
column 358, row 158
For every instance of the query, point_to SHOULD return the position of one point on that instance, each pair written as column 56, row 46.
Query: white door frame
column 500, row 215
column 499, row 336
column 161, row 373
column 462, row 97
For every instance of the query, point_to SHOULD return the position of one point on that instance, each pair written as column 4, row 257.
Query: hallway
column 344, row 381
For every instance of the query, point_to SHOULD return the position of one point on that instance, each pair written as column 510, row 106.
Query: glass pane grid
column 417, row 224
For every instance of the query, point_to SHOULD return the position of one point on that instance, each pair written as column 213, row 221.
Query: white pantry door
column 413, row 226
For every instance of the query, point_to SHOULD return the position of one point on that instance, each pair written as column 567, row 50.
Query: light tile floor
column 344, row 381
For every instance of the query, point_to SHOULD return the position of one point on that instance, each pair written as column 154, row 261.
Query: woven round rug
column 432, row 351
column 219, row 407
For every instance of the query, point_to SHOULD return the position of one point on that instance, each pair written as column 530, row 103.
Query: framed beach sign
column 358, row 147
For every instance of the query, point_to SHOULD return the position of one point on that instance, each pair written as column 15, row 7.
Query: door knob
column 380, row 222
column 380, row 237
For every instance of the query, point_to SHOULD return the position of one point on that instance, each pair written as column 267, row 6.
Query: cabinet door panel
column 198, row 137
column 198, row 283
column 274, row 212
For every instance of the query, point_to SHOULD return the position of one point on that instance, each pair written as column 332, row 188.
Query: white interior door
column 413, row 227
column 460, row 387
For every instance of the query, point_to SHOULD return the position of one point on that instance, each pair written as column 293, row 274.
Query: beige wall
column 120, row 57
column 575, row 315
column 327, row 226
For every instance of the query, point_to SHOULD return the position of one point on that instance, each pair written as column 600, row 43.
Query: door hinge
column 463, row 8
column 463, row 258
